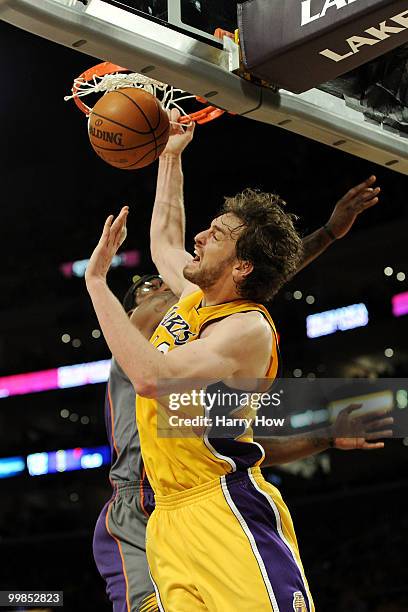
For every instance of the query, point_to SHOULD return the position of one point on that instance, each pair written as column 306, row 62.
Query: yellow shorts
column 228, row 545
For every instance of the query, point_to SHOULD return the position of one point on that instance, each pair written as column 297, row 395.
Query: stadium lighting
column 39, row 464
column 400, row 304
column 127, row 259
column 77, row 375
column 340, row 319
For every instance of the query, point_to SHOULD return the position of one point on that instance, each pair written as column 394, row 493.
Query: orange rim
column 99, row 70
column 204, row 115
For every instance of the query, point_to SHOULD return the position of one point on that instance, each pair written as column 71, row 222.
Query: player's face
column 215, row 251
column 147, row 289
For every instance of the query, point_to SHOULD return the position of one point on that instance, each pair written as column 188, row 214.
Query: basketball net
column 107, row 77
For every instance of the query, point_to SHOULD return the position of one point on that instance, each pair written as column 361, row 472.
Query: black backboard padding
column 278, row 49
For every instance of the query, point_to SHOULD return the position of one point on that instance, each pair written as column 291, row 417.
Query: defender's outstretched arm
column 348, row 432
column 345, row 213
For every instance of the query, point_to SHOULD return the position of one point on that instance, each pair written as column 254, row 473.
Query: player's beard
column 206, row 277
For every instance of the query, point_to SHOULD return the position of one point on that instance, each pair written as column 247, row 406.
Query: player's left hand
column 352, row 432
column 113, row 235
column 354, row 202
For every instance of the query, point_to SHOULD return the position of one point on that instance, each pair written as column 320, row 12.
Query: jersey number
column 163, row 347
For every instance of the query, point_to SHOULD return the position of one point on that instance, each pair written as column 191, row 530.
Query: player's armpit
column 237, row 345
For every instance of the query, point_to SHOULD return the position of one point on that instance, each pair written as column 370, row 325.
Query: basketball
column 128, row 128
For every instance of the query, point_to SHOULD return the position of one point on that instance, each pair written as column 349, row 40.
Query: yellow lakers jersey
column 180, row 461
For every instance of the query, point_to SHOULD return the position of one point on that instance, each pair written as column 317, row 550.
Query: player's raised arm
column 346, row 211
column 167, row 230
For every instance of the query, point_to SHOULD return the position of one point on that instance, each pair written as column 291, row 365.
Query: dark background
column 349, row 515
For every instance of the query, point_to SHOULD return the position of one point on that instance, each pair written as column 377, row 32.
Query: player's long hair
column 268, row 239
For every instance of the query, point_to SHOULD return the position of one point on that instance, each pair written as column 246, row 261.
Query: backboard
column 172, row 41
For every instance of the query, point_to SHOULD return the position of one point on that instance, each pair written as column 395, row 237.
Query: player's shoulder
column 253, row 318
column 244, row 325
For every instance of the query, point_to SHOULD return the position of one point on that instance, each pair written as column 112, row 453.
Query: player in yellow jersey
column 221, row 538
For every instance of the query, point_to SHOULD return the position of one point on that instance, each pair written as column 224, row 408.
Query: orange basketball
column 128, row 128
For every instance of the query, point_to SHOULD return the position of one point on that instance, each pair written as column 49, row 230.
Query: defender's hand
column 180, row 136
column 358, row 432
column 355, row 201
column 113, row 235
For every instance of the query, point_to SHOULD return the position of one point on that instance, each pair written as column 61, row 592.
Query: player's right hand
column 180, row 136
column 113, row 235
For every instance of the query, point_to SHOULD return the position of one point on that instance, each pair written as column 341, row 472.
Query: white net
column 169, row 96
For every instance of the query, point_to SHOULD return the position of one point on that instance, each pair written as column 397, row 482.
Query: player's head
column 141, row 288
column 252, row 244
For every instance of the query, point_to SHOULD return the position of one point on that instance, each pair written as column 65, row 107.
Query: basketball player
column 119, row 539
column 120, row 532
column 210, row 494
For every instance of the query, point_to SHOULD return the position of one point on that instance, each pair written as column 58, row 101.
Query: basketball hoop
column 107, row 77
